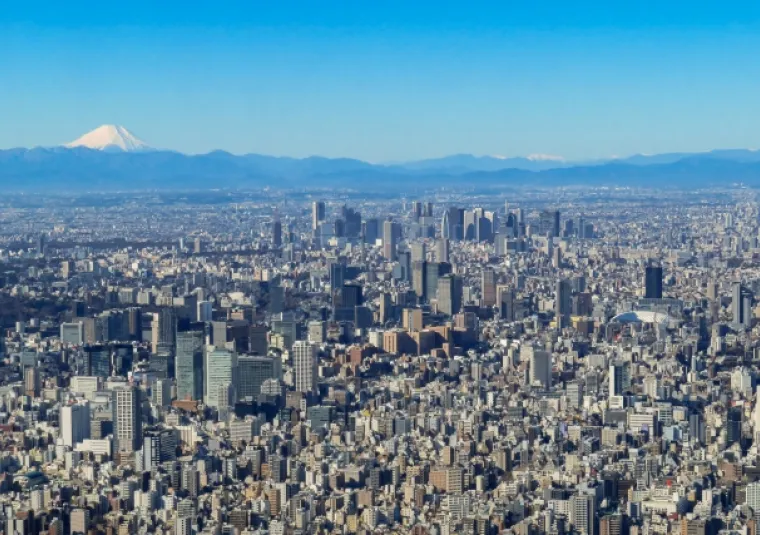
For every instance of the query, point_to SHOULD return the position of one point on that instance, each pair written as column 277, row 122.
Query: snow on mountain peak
column 110, row 137
column 544, row 158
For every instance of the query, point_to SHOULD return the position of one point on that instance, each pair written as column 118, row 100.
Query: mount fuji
column 110, row 138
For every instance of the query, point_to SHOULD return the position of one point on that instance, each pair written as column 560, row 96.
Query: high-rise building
column 620, row 378
column 734, row 425
column 540, row 366
column 449, row 294
column 741, row 306
column 653, row 282
column 188, row 363
column 165, row 330
column 32, row 381
column 563, row 303
column 488, row 287
column 433, row 272
column 221, row 378
column 252, row 372
column 72, row 333
column 79, row 521
column 317, row 332
column 305, row 366
column 159, row 446
column 98, row 359
column 128, row 419
column 389, row 241
column 583, row 514
column 75, row 423
column 548, row 223
column 317, row 214
column 442, row 250
column 418, row 252
column 277, row 233
column 204, row 311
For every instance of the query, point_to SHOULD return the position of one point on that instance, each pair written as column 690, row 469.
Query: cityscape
column 553, row 362
column 379, row 268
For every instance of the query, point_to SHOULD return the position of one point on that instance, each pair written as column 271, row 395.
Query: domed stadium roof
column 641, row 316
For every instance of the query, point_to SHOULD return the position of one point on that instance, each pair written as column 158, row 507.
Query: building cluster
column 565, row 363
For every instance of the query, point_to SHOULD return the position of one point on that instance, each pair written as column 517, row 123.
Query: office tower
column 488, row 287
column 451, row 223
column 653, row 282
column 32, row 381
column 734, row 425
column 416, row 209
column 563, row 303
column 159, row 446
column 41, row 244
column 419, row 278
column 337, row 275
column 98, row 360
column 434, row 271
column 305, row 366
column 72, row 333
column 583, row 514
column 317, row 332
column 418, row 252
column 427, row 209
column 389, row 241
column 317, row 214
column 540, row 367
column 449, row 294
column 79, row 521
column 122, row 358
column 506, row 300
column 164, row 329
column 442, row 250
column 385, row 308
column 277, row 233
column 161, row 393
column 548, row 223
column 412, row 319
column 371, row 230
column 620, row 378
column 204, row 311
column 128, row 419
column 252, row 372
column 741, row 306
column 352, row 221
column 221, row 377
column 75, row 423
column 197, row 245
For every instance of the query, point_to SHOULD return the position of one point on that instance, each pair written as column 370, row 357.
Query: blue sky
column 385, row 81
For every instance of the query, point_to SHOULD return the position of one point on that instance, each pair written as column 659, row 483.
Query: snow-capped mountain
column 110, row 137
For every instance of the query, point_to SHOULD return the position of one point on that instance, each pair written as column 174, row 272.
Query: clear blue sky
column 385, row 80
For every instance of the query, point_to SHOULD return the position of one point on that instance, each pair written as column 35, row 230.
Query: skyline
column 386, row 84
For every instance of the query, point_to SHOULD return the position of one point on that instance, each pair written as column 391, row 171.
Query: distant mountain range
column 110, row 158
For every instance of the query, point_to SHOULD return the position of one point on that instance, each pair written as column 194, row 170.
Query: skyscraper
column 164, row 330
column 741, row 306
column 449, row 294
column 128, row 419
column 277, row 233
column 252, row 372
column 442, row 250
column 620, row 378
column 389, row 241
column 221, row 377
column 488, row 287
column 188, row 363
column 653, row 282
column 548, row 224
column 305, row 366
column 563, row 303
column 541, row 368
column 75, row 423
column 317, row 214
